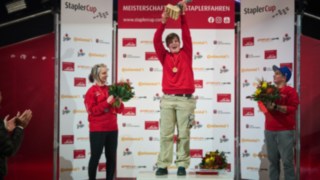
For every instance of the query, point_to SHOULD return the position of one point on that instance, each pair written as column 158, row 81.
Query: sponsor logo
column 80, row 82
column 201, row 138
column 262, row 40
column 200, row 112
column 82, row 138
column 152, row 69
column 132, row 70
column 261, row 9
column 154, row 138
column 224, row 98
column 80, row 7
column 156, row 97
column 198, row 84
column 259, row 155
column 149, row 111
column 64, row 96
column 129, row 125
column 281, row 12
column 250, row 168
column 248, row 111
column 250, row 140
column 146, row 42
column 67, row 66
column 97, row 55
column 248, row 41
column 148, row 84
column 286, row 37
column 62, row 170
column 267, row 69
column 196, row 153
column 67, row 139
column 127, row 152
column 249, row 70
column 151, row 56
column 226, row 20
column 201, row 98
column 250, row 56
column 223, row 69
column 102, row 167
column 202, row 69
column 101, row 41
column 220, row 112
column 81, row 53
column 199, row 43
column 215, row 56
column 224, row 139
column 218, row 83
column 79, row 154
column 129, row 111
column 197, row 125
column 197, row 56
column 75, row 39
column 250, row 126
column 140, row 153
column 101, row 15
column 218, row 126
column 65, row 110
column 245, row 83
column 77, row 111
column 151, row 125
column 66, row 37
column 130, row 56
column 129, row 42
column 245, row 153
column 130, row 166
column 80, row 125
column 217, row 42
column 131, row 138
column 270, row 54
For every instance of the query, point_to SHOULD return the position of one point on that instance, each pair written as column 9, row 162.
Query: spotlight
column 16, row 5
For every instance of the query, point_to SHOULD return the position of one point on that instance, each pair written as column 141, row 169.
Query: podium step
column 148, row 175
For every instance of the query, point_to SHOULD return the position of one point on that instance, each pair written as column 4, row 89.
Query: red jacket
column 101, row 115
column 278, row 121
column 181, row 82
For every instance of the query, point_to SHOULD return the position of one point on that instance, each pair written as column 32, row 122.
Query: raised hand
column 10, row 124
column 24, row 119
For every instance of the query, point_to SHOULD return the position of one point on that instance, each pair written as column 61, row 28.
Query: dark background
column 18, row 26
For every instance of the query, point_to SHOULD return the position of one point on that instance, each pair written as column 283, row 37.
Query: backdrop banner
column 267, row 39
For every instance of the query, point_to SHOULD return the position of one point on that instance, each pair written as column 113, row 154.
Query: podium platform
column 150, row 175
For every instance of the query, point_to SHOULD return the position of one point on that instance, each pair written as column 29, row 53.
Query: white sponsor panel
column 267, row 39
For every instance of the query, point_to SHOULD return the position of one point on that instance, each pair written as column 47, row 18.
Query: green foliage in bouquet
column 121, row 90
column 214, row 160
column 265, row 92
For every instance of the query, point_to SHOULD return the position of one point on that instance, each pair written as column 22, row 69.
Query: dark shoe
column 161, row 171
column 181, row 171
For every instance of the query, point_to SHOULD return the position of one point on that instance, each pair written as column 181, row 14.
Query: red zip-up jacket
column 101, row 115
column 278, row 121
column 181, row 82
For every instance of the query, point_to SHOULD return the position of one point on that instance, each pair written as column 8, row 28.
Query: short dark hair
column 170, row 37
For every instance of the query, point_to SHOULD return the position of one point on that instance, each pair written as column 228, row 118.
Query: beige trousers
column 175, row 111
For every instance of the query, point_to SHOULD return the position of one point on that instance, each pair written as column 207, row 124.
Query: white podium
column 149, row 175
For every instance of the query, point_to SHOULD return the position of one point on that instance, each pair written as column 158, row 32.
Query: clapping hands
column 18, row 120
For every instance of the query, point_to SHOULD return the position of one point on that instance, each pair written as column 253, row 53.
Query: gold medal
column 175, row 69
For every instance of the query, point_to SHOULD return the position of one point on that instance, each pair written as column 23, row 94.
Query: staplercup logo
column 270, row 54
column 151, row 125
column 67, row 139
column 198, row 84
column 248, row 111
column 224, row 98
column 248, row 41
column 129, row 42
column 79, row 82
column 151, row 56
column 67, row 66
column 196, row 153
column 129, row 111
column 79, row 154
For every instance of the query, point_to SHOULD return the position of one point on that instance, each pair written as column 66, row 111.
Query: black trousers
column 98, row 140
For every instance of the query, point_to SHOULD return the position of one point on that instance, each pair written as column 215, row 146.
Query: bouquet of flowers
column 121, row 90
column 214, row 160
column 265, row 92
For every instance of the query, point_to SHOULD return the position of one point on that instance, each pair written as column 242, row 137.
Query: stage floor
column 148, row 175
